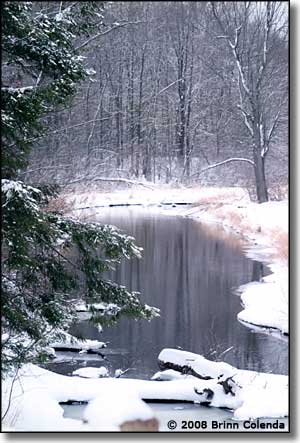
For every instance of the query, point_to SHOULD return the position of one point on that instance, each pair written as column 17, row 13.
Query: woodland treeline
column 178, row 88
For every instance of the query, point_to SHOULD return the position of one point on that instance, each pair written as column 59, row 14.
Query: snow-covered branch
column 234, row 159
column 101, row 34
column 265, row 44
column 234, row 48
column 274, row 124
column 236, row 38
column 247, row 119
column 21, row 90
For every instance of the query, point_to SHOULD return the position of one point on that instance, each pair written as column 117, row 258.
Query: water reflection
column 189, row 272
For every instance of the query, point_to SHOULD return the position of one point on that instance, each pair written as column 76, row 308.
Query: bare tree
column 254, row 33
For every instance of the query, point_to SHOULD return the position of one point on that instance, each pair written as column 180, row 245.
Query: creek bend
column 189, row 270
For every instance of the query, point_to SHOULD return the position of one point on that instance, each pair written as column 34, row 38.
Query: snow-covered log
column 73, row 344
column 194, row 364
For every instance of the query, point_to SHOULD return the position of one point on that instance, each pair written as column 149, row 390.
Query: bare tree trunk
column 131, row 112
column 139, row 117
column 260, row 179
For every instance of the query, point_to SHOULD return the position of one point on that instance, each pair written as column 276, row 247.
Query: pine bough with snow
column 46, row 260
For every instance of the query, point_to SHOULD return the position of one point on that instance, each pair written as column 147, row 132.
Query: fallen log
column 217, row 383
column 196, row 365
column 73, row 344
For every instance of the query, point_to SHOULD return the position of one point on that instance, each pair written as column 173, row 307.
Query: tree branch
column 101, row 34
column 265, row 45
column 233, row 159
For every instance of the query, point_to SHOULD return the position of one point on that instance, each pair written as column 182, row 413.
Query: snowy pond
column 190, row 271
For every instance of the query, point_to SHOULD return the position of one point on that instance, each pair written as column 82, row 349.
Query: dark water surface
column 189, row 271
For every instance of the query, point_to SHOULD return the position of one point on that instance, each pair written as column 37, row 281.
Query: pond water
column 189, row 271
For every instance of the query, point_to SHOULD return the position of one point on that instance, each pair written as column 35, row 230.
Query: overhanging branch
column 101, row 34
column 233, row 159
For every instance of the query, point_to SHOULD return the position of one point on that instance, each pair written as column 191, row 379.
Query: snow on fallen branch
column 71, row 343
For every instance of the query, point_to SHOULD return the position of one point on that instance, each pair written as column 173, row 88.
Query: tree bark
column 260, row 178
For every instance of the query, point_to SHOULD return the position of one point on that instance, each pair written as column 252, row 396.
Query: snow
column 259, row 402
column 114, row 400
column 37, row 392
column 107, row 308
column 265, row 303
column 92, row 372
column 146, row 197
column 261, row 394
column 120, row 372
column 169, row 374
column 91, row 71
column 71, row 342
column 198, row 363
column 110, row 410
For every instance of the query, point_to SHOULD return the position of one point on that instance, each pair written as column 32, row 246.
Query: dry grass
column 215, row 197
column 235, row 219
column 280, row 240
column 207, row 201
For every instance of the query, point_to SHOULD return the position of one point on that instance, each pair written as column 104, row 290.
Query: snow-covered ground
column 265, row 226
column 34, row 395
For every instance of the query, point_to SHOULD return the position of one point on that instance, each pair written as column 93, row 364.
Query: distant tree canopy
column 48, row 259
column 179, row 86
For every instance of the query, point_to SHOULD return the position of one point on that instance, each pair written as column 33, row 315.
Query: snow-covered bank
column 154, row 197
column 266, row 302
column 33, row 397
column 264, row 226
